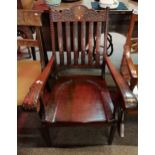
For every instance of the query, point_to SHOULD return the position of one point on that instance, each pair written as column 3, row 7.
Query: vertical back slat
column 68, row 43
column 52, row 37
column 98, row 38
column 75, row 42
column 105, row 41
column 60, row 42
column 105, row 35
column 90, row 43
column 77, row 29
column 83, row 41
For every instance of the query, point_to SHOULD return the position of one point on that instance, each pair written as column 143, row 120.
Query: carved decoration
column 78, row 13
column 32, row 98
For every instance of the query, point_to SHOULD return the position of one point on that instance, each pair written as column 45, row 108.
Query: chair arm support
column 36, row 89
column 129, row 99
column 132, row 69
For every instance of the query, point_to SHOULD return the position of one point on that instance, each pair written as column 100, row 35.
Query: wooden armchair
column 77, row 96
column 129, row 69
column 28, row 70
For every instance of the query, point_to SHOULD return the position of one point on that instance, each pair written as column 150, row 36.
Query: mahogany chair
column 129, row 69
column 28, row 70
column 78, row 96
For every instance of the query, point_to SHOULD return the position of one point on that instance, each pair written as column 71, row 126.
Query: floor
column 29, row 134
column 95, row 150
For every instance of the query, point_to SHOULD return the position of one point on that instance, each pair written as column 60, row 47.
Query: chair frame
column 35, row 98
column 128, row 71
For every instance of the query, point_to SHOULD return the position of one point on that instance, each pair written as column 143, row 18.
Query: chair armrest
column 36, row 89
column 129, row 99
column 131, row 66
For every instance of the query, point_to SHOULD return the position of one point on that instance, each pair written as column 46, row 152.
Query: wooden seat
column 77, row 99
column 80, row 99
column 28, row 70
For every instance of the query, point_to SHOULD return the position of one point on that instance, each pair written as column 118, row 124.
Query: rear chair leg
column 121, row 130
column 121, row 124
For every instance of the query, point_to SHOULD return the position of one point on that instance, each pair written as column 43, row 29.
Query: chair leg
column 133, row 83
column 121, row 124
column 122, row 130
column 112, row 133
column 46, row 134
column 33, row 53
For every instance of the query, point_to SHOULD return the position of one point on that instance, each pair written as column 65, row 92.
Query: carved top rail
column 78, row 13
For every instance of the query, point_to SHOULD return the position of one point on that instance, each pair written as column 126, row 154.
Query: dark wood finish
column 80, row 13
column 19, row 4
column 68, row 43
column 77, row 16
column 90, row 51
column 60, row 42
column 112, row 133
column 83, row 42
column 75, row 42
column 98, row 36
column 78, row 99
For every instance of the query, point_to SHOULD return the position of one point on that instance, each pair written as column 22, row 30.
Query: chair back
column 76, row 33
column 31, row 18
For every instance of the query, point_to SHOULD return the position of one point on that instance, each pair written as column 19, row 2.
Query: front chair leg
column 112, row 133
column 46, row 134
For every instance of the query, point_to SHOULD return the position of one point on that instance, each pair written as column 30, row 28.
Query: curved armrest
column 131, row 66
column 129, row 99
column 31, row 99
